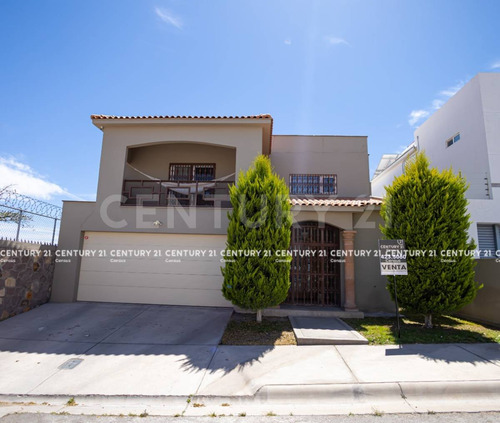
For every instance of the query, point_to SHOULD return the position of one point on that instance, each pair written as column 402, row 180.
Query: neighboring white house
column 463, row 134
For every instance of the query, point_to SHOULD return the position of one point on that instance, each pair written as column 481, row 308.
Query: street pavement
column 384, row 418
column 122, row 358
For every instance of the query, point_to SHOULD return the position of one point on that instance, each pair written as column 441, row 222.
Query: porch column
column 349, row 281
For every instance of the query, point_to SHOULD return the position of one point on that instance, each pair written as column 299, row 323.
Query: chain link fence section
column 27, row 219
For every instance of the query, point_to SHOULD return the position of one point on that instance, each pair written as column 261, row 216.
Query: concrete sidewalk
column 124, row 359
column 170, row 380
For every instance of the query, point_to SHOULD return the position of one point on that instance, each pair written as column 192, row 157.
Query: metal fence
column 23, row 218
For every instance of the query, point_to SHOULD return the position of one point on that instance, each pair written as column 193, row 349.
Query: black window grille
column 310, row 184
column 192, row 172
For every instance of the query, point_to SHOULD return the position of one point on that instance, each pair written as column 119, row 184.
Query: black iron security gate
column 315, row 274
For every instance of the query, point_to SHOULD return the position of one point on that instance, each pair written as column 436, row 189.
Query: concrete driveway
column 103, row 348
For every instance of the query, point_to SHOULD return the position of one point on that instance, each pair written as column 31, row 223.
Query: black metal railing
column 167, row 193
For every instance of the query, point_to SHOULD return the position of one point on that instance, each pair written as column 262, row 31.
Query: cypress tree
column 428, row 210
column 260, row 221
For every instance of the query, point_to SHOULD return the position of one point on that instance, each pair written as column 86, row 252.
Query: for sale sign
column 392, row 257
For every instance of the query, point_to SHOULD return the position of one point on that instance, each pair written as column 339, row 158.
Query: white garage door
column 168, row 274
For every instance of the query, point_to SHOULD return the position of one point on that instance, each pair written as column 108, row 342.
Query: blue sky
column 375, row 68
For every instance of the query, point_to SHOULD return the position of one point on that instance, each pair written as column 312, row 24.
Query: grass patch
column 447, row 329
column 242, row 329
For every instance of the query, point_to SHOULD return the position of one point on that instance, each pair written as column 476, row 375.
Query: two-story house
column 157, row 230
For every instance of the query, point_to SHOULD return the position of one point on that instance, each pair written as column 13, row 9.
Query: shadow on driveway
column 112, row 329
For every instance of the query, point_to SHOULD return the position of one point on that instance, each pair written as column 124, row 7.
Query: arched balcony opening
column 179, row 174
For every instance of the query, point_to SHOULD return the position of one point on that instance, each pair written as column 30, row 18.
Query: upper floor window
column 452, row 140
column 313, row 184
column 192, row 171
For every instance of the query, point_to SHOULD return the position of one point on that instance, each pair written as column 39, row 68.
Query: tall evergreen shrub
column 428, row 210
column 260, row 222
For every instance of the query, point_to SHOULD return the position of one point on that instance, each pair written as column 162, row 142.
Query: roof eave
column 264, row 121
column 322, row 207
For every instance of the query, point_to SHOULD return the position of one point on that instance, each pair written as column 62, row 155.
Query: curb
column 316, row 399
column 364, row 398
column 313, row 393
column 384, row 390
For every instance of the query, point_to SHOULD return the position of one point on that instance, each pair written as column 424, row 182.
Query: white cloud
column 168, row 17
column 450, row 92
column 288, row 42
column 335, row 40
column 25, row 180
column 496, row 65
column 416, row 116
column 437, row 103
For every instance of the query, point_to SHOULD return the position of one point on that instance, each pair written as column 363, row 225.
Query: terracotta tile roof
column 337, row 202
column 265, row 116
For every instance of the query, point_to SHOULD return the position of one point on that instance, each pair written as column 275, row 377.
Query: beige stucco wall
column 155, row 160
column 66, row 273
column 371, row 292
column 239, row 143
column 247, row 139
column 345, row 156
column 341, row 219
column 486, row 305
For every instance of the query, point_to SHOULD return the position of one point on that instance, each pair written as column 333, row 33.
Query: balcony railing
column 151, row 193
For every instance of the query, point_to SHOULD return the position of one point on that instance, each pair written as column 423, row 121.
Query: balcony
column 170, row 193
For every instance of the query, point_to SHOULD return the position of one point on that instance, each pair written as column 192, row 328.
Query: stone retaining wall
column 26, row 272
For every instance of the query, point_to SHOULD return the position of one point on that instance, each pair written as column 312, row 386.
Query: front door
column 314, row 274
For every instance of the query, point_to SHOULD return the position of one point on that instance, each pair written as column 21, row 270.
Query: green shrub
column 428, row 210
column 260, row 221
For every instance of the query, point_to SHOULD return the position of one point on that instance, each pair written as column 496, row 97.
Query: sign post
column 393, row 262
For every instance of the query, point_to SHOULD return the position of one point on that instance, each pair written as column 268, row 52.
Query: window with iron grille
column 308, row 184
column 192, row 171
